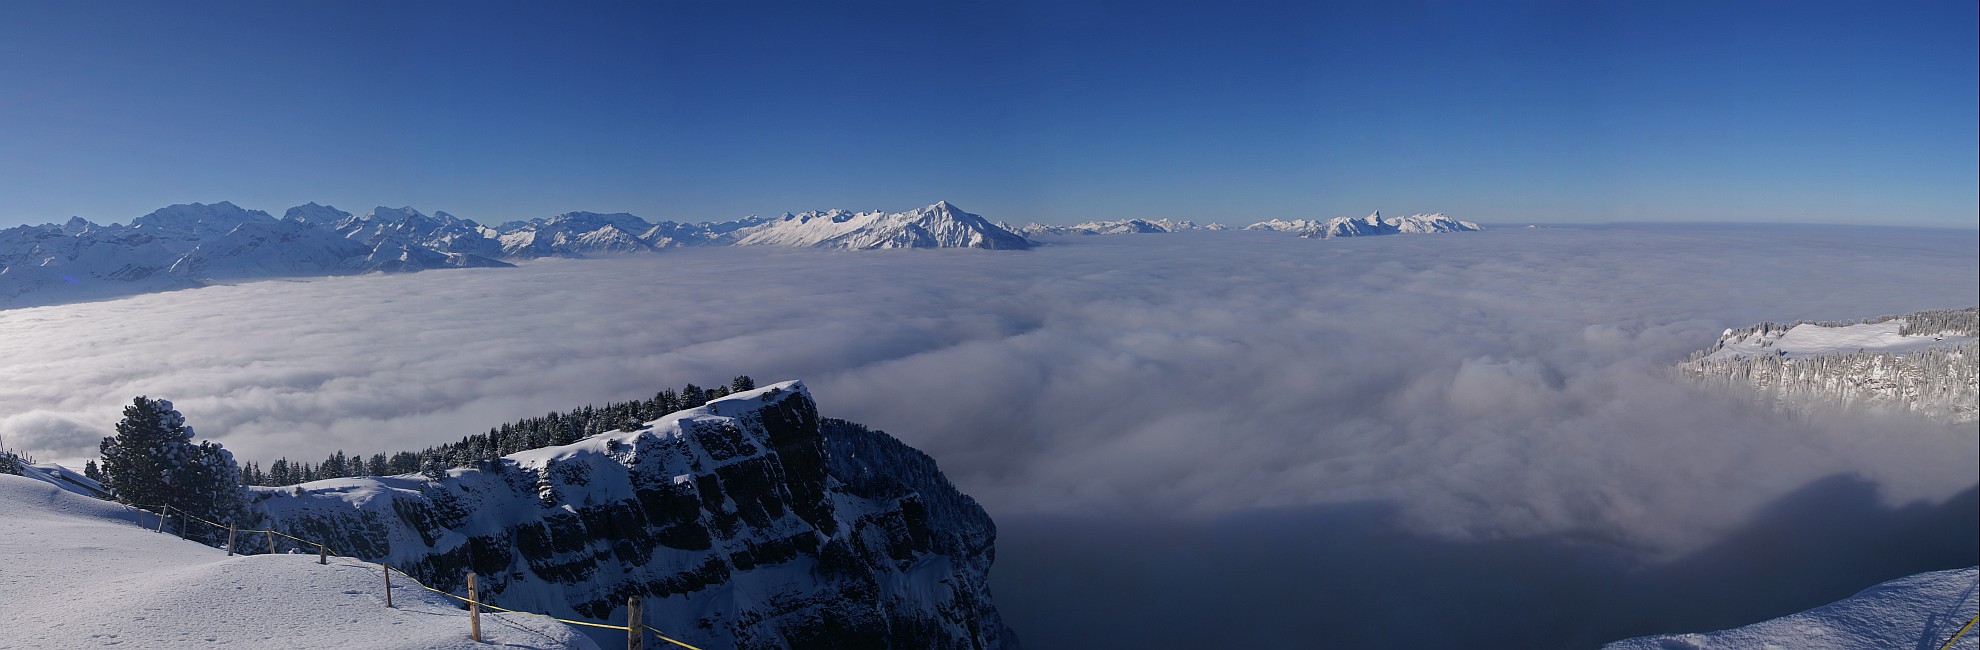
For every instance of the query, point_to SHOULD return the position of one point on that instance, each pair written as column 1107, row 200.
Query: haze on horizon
column 1028, row 111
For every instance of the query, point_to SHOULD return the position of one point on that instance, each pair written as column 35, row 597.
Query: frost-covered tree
column 153, row 460
column 9, row 463
column 91, row 472
column 742, row 383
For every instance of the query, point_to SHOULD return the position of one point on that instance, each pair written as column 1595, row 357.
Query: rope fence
column 633, row 628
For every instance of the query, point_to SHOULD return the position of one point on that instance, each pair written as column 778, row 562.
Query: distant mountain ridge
column 1373, row 224
column 1119, row 227
column 194, row 244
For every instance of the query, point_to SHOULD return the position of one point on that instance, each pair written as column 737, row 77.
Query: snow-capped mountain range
column 748, row 522
column 1118, row 227
column 1373, row 224
column 191, row 245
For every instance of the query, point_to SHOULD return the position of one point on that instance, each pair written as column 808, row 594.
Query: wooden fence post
column 635, row 625
column 271, row 541
column 182, row 524
column 474, row 609
column 388, row 583
column 322, row 554
column 161, row 517
column 230, row 540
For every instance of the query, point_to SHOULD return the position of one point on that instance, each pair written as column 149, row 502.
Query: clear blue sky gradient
column 1045, row 111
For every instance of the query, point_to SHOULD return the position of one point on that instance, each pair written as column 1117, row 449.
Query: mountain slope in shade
column 1920, row 611
column 936, row 226
column 748, row 522
column 271, row 249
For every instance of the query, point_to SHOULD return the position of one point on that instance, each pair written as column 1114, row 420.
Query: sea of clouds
column 1316, row 438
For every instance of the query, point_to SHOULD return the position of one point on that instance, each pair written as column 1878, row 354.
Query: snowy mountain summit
column 748, row 522
column 1373, row 224
column 941, row 225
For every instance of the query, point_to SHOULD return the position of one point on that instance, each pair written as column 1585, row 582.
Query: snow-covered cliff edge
column 748, row 522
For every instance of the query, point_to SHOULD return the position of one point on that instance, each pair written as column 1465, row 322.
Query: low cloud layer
column 1485, row 386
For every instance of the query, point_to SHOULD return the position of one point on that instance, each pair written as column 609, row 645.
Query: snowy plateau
column 1923, row 362
column 748, row 522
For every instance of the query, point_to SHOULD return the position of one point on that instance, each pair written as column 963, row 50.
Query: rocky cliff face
column 748, row 523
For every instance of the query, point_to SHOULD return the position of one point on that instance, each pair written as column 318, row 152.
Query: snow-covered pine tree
column 153, row 460
column 9, row 464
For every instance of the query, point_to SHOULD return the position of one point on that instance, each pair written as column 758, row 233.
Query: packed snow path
column 76, row 572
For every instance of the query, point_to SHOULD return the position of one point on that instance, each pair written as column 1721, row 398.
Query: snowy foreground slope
column 78, row 573
column 1919, row 611
column 748, row 522
column 1923, row 362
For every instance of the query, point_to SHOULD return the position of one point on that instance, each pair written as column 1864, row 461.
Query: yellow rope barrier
column 663, row 637
column 498, row 608
column 1961, row 632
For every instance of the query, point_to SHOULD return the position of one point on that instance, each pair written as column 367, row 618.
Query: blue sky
column 1024, row 111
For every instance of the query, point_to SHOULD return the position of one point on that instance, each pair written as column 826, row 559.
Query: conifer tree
column 153, row 460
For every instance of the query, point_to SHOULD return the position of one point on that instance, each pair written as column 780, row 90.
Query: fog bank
column 1510, row 387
